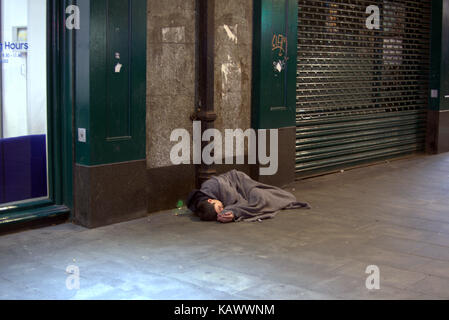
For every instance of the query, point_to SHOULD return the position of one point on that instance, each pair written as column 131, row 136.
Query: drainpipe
column 206, row 56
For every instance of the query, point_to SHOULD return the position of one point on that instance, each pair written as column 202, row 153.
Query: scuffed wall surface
column 170, row 75
column 171, row 70
column 233, row 57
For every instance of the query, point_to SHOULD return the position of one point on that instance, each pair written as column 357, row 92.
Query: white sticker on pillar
column 118, row 68
column 434, row 93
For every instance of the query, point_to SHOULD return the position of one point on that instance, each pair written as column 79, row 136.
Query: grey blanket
column 249, row 200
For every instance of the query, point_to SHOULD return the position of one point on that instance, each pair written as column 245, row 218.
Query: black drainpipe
column 206, row 54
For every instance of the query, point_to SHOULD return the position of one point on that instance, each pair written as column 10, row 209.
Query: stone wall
column 171, row 74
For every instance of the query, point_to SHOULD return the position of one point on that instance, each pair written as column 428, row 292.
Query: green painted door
column 111, row 82
column 274, row 63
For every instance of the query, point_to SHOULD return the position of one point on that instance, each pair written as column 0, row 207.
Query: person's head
column 208, row 210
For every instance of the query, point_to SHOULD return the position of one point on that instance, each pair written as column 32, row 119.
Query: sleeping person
column 234, row 196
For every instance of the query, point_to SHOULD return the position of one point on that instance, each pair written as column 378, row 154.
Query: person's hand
column 225, row 217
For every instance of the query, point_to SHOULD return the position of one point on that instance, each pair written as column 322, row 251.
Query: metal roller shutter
column 361, row 94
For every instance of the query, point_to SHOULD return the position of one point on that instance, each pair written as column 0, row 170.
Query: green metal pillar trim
column 444, row 78
column 60, row 137
column 59, row 116
column 82, row 82
column 68, row 85
column 274, row 63
column 111, row 82
column 439, row 78
column 53, row 98
column 256, row 74
column 435, row 66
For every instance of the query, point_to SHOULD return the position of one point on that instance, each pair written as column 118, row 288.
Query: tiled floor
column 394, row 215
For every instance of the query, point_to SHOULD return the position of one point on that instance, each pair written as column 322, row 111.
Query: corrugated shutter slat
column 362, row 94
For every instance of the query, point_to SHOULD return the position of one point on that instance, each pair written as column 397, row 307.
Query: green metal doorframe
column 439, row 80
column 436, row 46
column 60, row 122
column 68, row 101
column 60, row 92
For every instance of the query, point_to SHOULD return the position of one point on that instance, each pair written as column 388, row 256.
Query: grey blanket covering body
column 247, row 199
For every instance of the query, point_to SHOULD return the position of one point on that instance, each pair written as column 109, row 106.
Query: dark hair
column 206, row 211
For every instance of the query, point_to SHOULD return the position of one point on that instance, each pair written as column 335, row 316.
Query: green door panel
column 435, row 65
column 118, row 73
column 111, row 81
column 274, row 68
